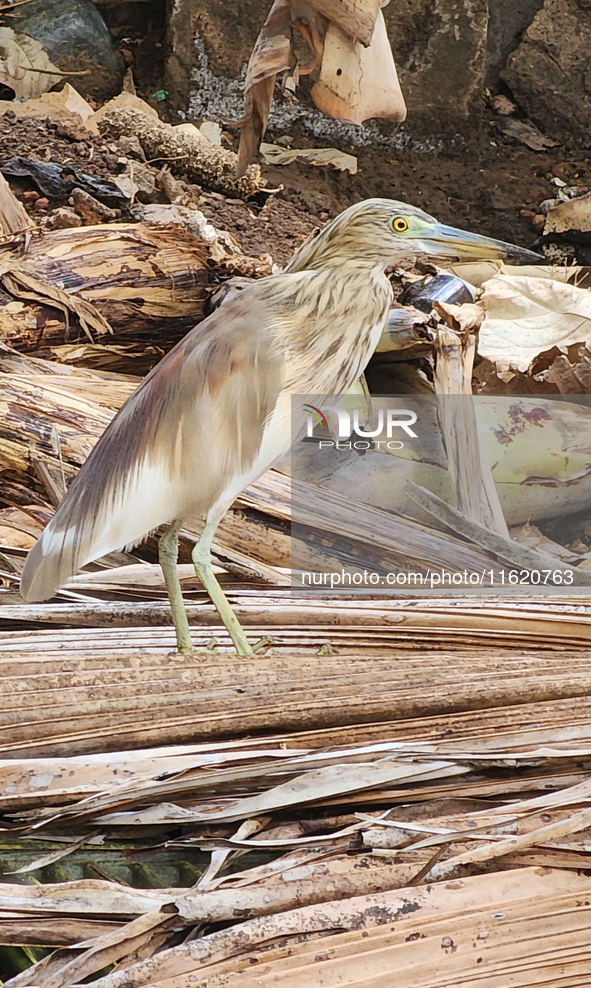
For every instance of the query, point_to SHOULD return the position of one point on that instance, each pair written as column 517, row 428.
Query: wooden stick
column 513, row 552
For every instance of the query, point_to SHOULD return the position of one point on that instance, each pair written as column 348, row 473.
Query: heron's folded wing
column 192, row 425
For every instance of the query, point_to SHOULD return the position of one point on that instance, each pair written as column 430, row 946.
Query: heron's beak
column 446, row 242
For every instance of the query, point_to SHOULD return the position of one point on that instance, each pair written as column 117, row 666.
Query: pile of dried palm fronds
column 387, row 790
column 427, row 846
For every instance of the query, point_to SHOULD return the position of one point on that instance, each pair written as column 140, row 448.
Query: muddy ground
column 483, row 184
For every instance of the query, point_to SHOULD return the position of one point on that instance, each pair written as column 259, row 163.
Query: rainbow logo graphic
column 317, row 414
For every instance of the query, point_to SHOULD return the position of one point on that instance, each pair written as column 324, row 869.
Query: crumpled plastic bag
column 57, row 181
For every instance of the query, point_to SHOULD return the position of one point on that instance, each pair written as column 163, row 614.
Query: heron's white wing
column 193, row 425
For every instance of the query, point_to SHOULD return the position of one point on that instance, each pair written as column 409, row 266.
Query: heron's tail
column 104, row 510
column 42, row 575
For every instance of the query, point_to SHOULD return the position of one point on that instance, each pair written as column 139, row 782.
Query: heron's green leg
column 204, row 570
column 168, row 551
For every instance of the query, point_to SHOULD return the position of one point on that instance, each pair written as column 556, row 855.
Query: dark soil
column 277, row 229
column 47, row 140
column 482, row 186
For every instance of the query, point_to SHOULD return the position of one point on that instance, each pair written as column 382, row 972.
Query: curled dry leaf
column 358, row 83
column 65, row 105
column 25, row 66
column 346, row 41
column 462, row 318
column 527, row 316
column 526, row 133
column 575, row 214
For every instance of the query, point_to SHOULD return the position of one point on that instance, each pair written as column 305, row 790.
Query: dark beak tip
column 521, row 255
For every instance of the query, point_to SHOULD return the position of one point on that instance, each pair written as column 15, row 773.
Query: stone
column 507, row 22
column 439, row 48
column 77, row 40
column 64, row 219
column 91, row 210
column 547, row 72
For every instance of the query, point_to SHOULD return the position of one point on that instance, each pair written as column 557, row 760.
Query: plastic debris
column 57, row 181
column 442, row 288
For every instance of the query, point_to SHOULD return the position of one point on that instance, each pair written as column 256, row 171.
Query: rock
column 41, row 204
column 91, row 210
column 507, row 22
column 30, row 196
column 64, row 219
column 538, row 222
column 428, row 38
column 550, row 72
column 76, row 39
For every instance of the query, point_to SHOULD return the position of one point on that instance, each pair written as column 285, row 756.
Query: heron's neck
column 323, row 298
column 328, row 250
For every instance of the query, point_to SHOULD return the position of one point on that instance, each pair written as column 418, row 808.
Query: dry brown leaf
column 25, row 66
column 359, row 913
column 358, row 83
column 273, row 154
column 348, row 41
column 575, row 214
column 527, row 133
column 527, row 316
column 65, row 105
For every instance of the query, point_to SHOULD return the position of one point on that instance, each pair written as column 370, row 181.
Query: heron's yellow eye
column 399, row 224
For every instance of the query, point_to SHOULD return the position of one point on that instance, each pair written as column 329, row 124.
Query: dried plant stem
column 475, row 494
column 513, row 552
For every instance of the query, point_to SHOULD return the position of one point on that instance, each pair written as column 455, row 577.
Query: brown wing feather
column 195, row 422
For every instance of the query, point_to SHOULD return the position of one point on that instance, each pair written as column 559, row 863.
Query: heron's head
column 384, row 231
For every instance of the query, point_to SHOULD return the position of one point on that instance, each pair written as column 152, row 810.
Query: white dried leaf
column 272, row 154
column 527, row 316
column 25, row 66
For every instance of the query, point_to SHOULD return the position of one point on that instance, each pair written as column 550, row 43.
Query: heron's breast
column 340, row 363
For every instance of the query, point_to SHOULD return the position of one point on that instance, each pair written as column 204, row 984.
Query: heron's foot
column 263, row 644
column 326, row 649
column 210, row 649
